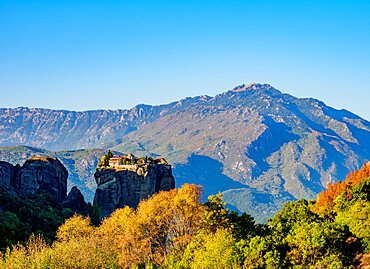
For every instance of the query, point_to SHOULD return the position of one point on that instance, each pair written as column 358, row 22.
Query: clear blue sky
column 82, row 55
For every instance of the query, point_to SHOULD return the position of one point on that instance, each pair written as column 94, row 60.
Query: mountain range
column 258, row 146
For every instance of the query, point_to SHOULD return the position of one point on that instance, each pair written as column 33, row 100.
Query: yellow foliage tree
column 165, row 222
column 75, row 227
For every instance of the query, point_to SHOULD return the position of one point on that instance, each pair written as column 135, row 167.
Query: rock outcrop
column 40, row 175
column 127, row 187
column 7, row 175
column 75, row 200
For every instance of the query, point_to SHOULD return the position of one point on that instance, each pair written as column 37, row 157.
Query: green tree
column 109, row 154
column 212, row 250
column 216, row 215
column 353, row 210
column 259, row 252
column 105, row 161
column 292, row 213
column 244, row 226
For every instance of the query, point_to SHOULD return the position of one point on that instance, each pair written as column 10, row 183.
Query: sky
column 85, row 55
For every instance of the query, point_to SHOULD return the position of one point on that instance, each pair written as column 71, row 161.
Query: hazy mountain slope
column 67, row 130
column 61, row 130
column 81, row 164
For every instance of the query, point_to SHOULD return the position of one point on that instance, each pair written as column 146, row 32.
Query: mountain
column 68, row 130
column 257, row 145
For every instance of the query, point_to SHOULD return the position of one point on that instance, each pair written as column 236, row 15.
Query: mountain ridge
column 254, row 135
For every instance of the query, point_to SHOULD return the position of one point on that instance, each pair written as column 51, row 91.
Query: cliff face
column 37, row 175
column 42, row 174
column 120, row 188
column 80, row 164
column 7, row 175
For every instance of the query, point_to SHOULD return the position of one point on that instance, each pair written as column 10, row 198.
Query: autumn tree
column 75, row 228
column 326, row 199
column 166, row 222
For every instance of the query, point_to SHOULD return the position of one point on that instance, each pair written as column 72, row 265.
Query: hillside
column 70, row 130
column 257, row 145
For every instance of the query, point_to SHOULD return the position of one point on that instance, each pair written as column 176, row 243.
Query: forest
column 175, row 229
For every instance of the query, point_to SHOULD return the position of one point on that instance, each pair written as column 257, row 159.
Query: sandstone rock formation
column 42, row 174
column 39, row 175
column 75, row 200
column 127, row 187
column 7, row 175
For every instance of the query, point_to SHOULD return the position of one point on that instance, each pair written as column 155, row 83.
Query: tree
column 353, row 210
column 216, row 215
column 77, row 227
column 326, row 199
column 165, row 223
column 105, row 161
column 357, row 218
column 212, row 250
column 259, row 252
column 109, row 154
column 243, row 226
column 291, row 214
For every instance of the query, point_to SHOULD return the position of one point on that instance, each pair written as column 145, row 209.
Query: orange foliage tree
column 326, row 199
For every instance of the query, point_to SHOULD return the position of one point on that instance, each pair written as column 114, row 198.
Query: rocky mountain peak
column 204, row 97
column 42, row 174
column 251, row 86
column 252, row 90
column 75, row 200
